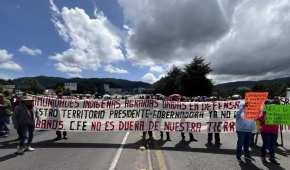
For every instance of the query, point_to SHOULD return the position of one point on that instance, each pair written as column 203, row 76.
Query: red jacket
column 266, row 128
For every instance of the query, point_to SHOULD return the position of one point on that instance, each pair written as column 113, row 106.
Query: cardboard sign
column 254, row 102
column 277, row 114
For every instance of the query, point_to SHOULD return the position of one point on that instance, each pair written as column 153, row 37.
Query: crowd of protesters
column 23, row 115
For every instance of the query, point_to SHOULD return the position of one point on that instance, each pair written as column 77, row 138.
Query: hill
column 274, row 86
column 85, row 85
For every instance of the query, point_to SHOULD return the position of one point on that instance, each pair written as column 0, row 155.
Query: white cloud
column 70, row 70
column 157, row 69
column 149, row 78
column 6, row 61
column 5, row 77
column 10, row 65
column 93, row 41
column 111, row 69
column 30, row 51
column 258, row 43
column 243, row 40
column 4, row 55
column 161, row 35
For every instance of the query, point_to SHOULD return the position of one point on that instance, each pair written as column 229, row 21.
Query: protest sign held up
column 254, row 101
column 277, row 114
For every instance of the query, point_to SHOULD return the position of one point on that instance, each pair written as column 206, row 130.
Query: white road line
column 118, row 154
column 149, row 158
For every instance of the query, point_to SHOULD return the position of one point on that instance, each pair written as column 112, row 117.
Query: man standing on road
column 244, row 130
column 24, row 120
column 5, row 114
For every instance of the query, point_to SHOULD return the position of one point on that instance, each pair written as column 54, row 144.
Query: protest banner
column 135, row 115
column 277, row 114
column 254, row 102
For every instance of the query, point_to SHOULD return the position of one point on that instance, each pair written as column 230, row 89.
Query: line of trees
column 188, row 81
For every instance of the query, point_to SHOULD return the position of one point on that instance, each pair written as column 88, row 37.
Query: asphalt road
column 125, row 151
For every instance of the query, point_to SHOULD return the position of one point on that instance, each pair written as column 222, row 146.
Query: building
column 70, row 86
column 110, row 90
column 107, row 88
column 10, row 88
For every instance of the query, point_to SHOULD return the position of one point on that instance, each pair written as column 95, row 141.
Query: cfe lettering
column 78, row 126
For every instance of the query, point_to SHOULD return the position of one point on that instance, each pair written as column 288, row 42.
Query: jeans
column 252, row 139
column 26, row 129
column 4, row 123
column 216, row 137
column 269, row 142
column 243, row 143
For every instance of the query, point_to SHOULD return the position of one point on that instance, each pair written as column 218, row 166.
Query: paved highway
column 126, row 151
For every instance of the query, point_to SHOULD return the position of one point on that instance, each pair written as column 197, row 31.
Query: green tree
column 59, row 89
column 194, row 81
column 31, row 86
column 171, row 83
column 260, row 87
column 191, row 81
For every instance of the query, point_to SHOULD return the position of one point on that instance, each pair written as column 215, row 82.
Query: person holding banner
column 191, row 137
column 244, row 129
column 58, row 133
column 24, row 120
column 216, row 136
column 269, row 135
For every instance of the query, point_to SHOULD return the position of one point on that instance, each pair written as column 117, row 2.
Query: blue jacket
column 243, row 125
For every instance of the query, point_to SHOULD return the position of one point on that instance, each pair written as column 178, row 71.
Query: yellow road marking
column 160, row 156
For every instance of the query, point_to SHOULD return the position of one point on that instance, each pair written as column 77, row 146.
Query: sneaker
column 273, row 161
column 168, row 139
column 20, row 150
column 29, row 148
column 65, row 138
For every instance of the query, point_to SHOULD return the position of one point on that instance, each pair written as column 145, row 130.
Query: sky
column 142, row 40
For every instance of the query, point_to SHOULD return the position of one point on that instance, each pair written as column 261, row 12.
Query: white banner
column 135, row 115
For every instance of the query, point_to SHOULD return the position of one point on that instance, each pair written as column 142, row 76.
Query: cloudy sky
column 143, row 39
